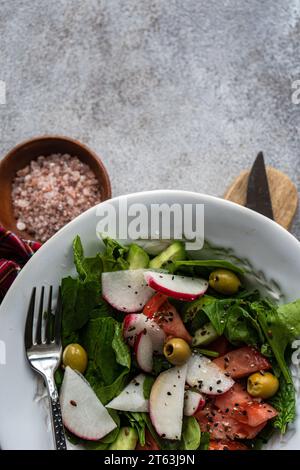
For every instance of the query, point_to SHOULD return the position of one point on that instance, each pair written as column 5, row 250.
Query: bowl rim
column 256, row 216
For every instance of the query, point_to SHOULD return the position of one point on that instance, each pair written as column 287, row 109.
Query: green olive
column 75, row 357
column 224, row 281
column 262, row 385
column 177, row 351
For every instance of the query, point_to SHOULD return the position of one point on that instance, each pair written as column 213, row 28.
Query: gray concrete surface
column 171, row 93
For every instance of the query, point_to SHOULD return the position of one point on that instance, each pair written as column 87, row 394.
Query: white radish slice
column 193, row 402
column 135, row 323
column 82, row 412
column 207, row 376
column 143, row 348
column 166, row 402
column 132, row 397
column 178, row 287
column 126, row 290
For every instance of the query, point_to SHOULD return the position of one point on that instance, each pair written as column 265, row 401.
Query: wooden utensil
column 284, row 194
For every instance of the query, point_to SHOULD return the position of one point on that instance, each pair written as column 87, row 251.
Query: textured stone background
column 171, row 93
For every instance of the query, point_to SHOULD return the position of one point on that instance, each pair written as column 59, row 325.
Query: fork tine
column 49, row 317
column 58, row 313
column 29, row 320
column 38, row 336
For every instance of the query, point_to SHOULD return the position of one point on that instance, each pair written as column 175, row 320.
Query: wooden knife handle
column 283, row 192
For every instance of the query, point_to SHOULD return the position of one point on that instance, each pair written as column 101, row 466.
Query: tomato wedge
column 221, row 345
column 227, row 445
column 150, row 443
column 223, row 427
column 243, row 362
column 166, row 316
column 237, row 403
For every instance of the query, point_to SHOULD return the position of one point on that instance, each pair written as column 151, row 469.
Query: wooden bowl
column 22, row 154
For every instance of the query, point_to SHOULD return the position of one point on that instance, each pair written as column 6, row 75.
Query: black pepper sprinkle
column 136, row 384
column 219, row 391
column 210, row 388
column 227, row 410
column 219, row 381
column 169, row 393
column 136, row 292
column 129, row 286
column 73, row 403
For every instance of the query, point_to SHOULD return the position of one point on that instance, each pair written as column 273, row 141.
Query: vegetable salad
column 166, row 352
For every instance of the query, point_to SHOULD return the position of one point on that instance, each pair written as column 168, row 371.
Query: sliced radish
column 126, row 290
column 82, row 412
column 193, row 402
column 143, row 349
column 132, row 397
column 166, row 402
column 178, row 287
column 135, row 323
column 207, row 376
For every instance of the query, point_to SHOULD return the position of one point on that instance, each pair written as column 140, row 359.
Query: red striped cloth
column 14, row 253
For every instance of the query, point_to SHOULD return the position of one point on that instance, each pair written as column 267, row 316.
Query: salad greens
column 244, row 318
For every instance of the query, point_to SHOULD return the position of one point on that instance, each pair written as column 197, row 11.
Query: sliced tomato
column 221, row 345
column 239, row 404
column 223, row 427
column 227, row 445
column 166, row 316
column 153, row 305
column 150, row 443
column 243, row 362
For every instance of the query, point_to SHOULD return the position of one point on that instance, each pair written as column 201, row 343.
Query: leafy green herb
column 191, row 309
column 78, row 300
column 137, row 422
column 212, row 264
column 109, row 357
column 217, row 312
column 285, row 403
column 204, row 442
column 148, row 383
column 160, row 363
column 208, row 352
column 114, row 257
column 191, row 434
column 279, row 329
column 87, row 268
column 241, row 327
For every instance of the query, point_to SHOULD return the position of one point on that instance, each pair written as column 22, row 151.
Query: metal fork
column 44, row 355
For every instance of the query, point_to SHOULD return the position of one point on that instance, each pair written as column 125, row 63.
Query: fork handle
column 57, row 424
column 56, row 418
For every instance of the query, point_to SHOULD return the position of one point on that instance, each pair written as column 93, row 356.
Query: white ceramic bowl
column 272, row 252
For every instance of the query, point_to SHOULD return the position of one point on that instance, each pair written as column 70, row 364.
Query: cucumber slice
column 137, row 257
column 126, row 440
column 174, row 252
column 205, row 335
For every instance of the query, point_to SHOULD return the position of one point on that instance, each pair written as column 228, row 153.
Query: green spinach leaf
column 191, row 434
